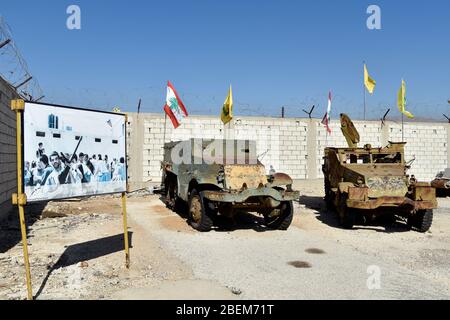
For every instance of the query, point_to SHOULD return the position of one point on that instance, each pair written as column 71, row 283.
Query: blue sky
column 274, row 53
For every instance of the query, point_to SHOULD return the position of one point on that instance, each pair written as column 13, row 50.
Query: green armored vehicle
column 220, row 177
column 363, row 183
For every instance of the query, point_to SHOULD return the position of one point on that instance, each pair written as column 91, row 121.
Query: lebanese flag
column 326, row 117
column 174, row 108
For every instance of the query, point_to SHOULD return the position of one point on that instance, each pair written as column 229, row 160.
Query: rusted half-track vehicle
column 364, row 183
column 235, row 180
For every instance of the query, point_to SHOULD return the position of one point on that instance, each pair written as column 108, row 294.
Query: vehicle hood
column 387, row 186
column 382, row 180
column 253, row 176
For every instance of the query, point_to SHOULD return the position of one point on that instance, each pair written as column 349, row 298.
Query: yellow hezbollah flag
column 402, row 101
column 227, row 109
column 368, row 81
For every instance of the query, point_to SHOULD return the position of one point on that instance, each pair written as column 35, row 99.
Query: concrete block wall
column 293, row 146
column 8, row 173
column 427, row 143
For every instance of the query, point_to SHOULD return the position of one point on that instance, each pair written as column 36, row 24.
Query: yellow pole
column 20, row 199
column 125, row 229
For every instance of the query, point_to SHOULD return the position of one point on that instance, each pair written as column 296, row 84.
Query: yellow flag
column 402, row 101
column 368, row 81
column 227, row 109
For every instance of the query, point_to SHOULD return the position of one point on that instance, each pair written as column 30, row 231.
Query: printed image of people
column 58, row 168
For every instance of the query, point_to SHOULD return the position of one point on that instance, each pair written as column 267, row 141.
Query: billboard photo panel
column 72, row 152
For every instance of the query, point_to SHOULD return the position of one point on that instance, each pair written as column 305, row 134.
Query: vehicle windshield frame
column 345, row 158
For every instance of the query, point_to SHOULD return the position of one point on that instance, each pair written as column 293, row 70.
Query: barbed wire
column 153, row 99
column 13, row 67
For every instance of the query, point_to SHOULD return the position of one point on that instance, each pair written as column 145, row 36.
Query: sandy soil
column 76, row 252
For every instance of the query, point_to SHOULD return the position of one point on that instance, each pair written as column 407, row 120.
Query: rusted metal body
column 375, row 177
column 442, row 183
column 234, row 179
column 366, row 179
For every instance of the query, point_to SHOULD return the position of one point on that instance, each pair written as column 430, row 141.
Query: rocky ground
column 76, row 252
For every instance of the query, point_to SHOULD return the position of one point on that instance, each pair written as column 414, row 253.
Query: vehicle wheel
column 198, row 217
column 280, row 218
column 422, row 220
column 347, row 216
column 328, row 195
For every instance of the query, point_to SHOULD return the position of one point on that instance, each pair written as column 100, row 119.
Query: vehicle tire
column 198, row 216
column 283, row 220
column 347, row 216
column 422, row 220
column 328, row 195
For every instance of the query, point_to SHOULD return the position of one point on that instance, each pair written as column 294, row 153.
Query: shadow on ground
column 86, row 251
column 10, row 234
column 330, row 218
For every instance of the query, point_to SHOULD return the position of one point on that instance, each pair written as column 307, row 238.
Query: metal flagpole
column 364, row 89
column 403, row 130
column 165, row 124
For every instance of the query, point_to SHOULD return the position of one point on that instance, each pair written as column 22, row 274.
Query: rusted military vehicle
column 221, row 177
column 364, row 183
column 442, row 183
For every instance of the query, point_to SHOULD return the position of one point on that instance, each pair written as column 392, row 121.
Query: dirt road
column 314, row 259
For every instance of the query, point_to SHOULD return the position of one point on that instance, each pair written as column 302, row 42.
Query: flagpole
column 224, row 131
column 403, row 130
column 364, row 102
column 364, row 89
column 165, row 122
column 328, row 121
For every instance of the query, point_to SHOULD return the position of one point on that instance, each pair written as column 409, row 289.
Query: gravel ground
column 76, row 254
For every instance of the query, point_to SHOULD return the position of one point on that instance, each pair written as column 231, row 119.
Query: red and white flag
column 174, row 108
column 326, row 117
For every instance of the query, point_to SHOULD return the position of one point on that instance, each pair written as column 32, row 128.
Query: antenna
column 310, row 111
column 383, row 119
column 262, row 155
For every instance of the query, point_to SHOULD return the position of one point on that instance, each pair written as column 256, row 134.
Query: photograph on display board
column 71, row 152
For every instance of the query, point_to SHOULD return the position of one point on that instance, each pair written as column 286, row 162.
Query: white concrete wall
column 294, row 146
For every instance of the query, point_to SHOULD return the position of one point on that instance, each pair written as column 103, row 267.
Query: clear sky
column 274, row 53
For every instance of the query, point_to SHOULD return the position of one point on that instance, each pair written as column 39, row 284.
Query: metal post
column 125, row 229
column 165, row 125
column 403, row 130
column 364, row 88
column 20, row 199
